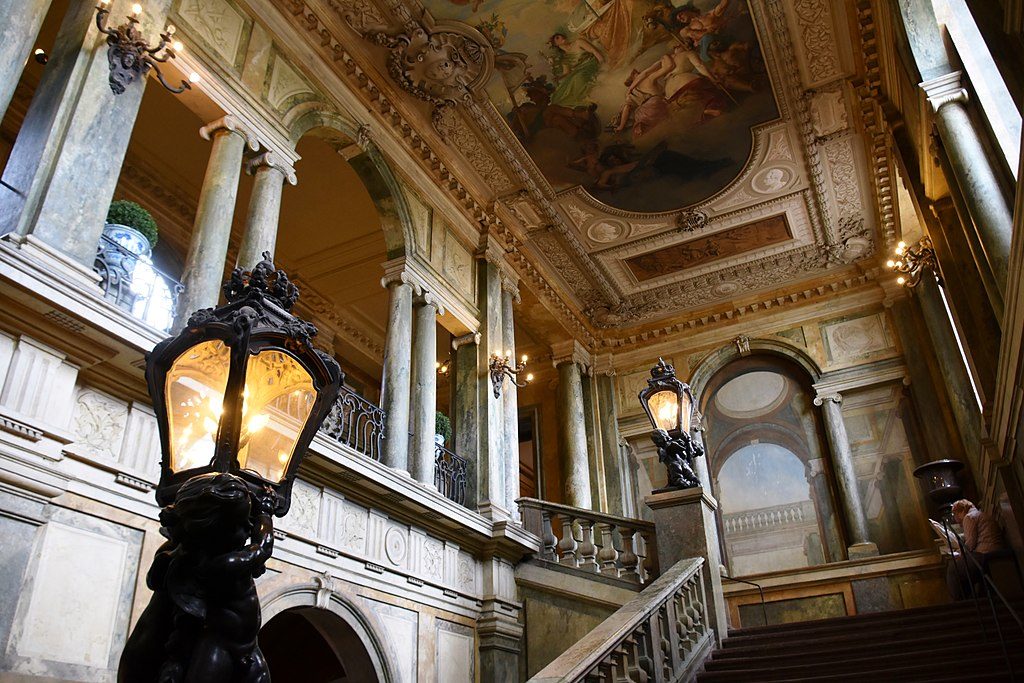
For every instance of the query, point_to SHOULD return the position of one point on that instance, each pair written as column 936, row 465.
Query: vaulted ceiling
column 650, row 159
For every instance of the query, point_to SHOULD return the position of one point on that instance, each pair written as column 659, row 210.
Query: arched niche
column 319, row 599
column 707, row 368
column 372, row 168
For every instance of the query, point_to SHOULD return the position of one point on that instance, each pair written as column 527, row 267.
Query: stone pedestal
column 208, row 250
column 271, row 172
column 685, row 528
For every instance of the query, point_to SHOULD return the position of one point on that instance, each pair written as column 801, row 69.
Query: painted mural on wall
column 646, row 104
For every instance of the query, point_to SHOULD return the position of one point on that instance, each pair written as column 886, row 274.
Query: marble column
column 466, row 409
column 208, row 248
column 824, row 508
column 846, row 477
column 20, row 21
column 592, row 429
column 608, row 416
column 573, row 437
column 492, row 501
column 63, row 169
column 271, row 173
column 395, row 384
column 424, row 386
column 974, row 173
column 510, row 398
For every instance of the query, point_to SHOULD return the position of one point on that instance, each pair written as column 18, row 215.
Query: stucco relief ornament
column 691, row 221
column 442, row 65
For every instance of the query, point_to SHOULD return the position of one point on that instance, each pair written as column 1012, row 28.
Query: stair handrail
column 588, row 540
column 755, row 584
column 969, row 556
column 663, row 631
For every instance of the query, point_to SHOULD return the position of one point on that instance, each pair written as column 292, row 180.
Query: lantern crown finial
column 264, row 278
column 662, row 370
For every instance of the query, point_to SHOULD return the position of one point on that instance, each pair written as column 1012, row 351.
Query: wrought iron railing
column 131, row 282
column 356, row 422
column 450, row 474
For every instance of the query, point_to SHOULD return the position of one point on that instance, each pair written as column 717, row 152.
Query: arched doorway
column 768, row 467
column 312, row 645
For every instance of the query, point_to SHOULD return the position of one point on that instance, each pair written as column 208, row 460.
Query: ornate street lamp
column 669, row 405
column 238, row 395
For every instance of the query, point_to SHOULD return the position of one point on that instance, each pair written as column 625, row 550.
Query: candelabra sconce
column 444, row 369
column 504, row 366
column 912, row 261
column 130, row 56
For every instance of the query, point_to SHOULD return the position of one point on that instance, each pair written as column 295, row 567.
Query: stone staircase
column 934, row 644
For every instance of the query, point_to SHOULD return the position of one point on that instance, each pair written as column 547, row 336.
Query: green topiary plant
column 124, row 212
column 443, row 426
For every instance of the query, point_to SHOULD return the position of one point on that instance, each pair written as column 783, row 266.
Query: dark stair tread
column 911, row 643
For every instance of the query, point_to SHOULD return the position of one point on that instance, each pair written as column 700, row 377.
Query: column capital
column 510, row 283
column 944, row 90
column 400, row 278
column 230, row 124
column 464, row 340
column 834, row 397
column 604, row 364
column 271, row 160
column 570, row 351
column 429, row 299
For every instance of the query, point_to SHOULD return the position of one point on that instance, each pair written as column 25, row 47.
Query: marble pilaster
column 492, row 494
column 270, row 173
column 846, row 476
column 573, row 437
column 592, row 429
column 395, row 384
column 424, row 386
column 66, row 160
column 974, row 173
column 208, row 249
column 20, row 21
column 465, row 408
column 608, row 414
column 510, row 398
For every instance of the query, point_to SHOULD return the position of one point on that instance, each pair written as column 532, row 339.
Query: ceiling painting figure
column 647, row 105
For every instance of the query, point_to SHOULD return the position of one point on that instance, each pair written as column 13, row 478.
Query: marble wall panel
column 454, row 654
column 401, row 626
column 854, row 338
column 219, row 24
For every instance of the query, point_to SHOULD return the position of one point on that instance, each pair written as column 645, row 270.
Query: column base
column 859, row 551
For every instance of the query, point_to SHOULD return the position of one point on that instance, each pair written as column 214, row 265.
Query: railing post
column 548, row 538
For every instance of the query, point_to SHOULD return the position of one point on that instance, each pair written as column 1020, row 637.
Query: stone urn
column 120, row 250
column 439, row 440
column 939, row 477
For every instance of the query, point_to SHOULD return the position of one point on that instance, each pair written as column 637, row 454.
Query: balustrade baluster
column 608, row 555
column 649, row 562
column 630, row 559
column 567, row 546
column 588, row 551
column 548, row 538
column 635, row 673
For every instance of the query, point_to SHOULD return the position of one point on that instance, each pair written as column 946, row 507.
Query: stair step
column 911, row 671
column 852, row 645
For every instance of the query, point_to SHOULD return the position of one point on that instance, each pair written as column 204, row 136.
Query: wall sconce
column 504, row 366
column 911, row 261
column 444, row 368
column 130, row 57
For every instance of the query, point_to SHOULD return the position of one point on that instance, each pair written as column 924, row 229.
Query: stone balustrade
column 767, row 518
column 662, row 634
column 619, row 547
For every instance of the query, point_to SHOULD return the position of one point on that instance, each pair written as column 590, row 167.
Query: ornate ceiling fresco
column 648, row 158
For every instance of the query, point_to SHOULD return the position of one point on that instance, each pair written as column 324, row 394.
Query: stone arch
column 372, row 167
column 707, row 368
column 322, row 594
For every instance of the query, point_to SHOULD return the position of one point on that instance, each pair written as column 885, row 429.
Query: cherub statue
column 202, row 622
column 678, row 455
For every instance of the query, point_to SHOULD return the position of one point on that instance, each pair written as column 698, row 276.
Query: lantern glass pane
column 276, row 404
column 685, row 412
column 194, row 392
column 664, row 407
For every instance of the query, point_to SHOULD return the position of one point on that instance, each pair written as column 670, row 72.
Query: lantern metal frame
column 677, row 448
column 257, row 317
